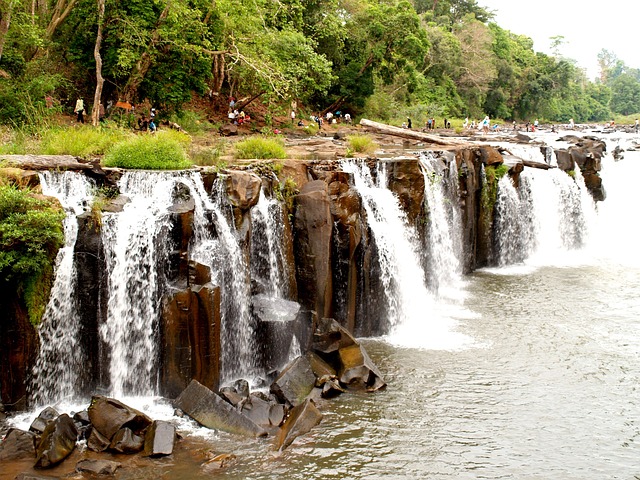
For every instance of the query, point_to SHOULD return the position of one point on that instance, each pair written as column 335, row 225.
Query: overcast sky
column 588, row 27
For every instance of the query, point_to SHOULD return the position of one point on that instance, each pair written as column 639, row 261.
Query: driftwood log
column 44, row 162
column 411, row 134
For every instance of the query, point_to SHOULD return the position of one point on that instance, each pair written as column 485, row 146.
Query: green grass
column 361, row 144
column 163, row 151
column 84, row 142
column 260, row 148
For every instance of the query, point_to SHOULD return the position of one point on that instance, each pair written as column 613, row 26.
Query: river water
column 538, row 378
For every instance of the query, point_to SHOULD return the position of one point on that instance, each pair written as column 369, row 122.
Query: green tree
column 625, row 94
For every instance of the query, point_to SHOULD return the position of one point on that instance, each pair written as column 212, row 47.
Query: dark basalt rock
column 57, row 442
column 330, row 336
column 212, row 411
column 359, row 370
column 97, row 442
column 301, row 420
column 125, row 441
column 159, row 439
column 295, row 382
column 33, row 476
column 97, row 467
column 108, row 415
column 44, row 418
column 17, row 444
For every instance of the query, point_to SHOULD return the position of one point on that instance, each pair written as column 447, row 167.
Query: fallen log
column 411, row 134
column 44, row 162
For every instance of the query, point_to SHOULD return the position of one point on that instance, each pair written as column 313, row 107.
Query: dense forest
column 373, row 57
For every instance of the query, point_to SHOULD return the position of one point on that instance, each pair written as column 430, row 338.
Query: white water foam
column 416, row 319
column 60, row 361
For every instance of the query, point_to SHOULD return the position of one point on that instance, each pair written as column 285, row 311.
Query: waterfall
column 510, row 225
column 444, row 226
column 230, row 270
column 545, row 219
column 414, row 317
column 268, row 262
column 132, row 242
column 60, row 364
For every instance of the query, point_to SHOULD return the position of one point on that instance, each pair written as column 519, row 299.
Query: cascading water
column 132, row 249
column 414, row 316
column 444, row 229
column 230, row 271
column 268, row 262
column 60, row 363
column 510, row 225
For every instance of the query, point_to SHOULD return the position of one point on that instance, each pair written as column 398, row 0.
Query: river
column 537, row 378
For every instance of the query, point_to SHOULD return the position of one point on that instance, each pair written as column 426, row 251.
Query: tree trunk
column 60, row 12
column 241, row 105
column 97, row 104
column 6, row 9
column 144, row 64
column 411, row 134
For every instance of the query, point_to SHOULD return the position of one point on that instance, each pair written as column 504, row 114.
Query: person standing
column 79, row 110
column 637, row 125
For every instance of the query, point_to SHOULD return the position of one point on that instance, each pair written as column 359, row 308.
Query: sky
column 587, row 27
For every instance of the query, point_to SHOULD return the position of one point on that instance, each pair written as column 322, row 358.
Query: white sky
column 588, row 26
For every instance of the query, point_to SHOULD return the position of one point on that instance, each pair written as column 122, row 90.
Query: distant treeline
column 379, row 57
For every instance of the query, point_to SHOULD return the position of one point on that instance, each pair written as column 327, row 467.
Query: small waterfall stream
column 416, row 317
column 59, row 366
column 133, row 254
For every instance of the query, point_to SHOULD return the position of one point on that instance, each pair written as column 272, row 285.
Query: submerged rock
column 57, row 442
column 301, row 420
column 212, row 411
column 330, row 336
column 97, row 467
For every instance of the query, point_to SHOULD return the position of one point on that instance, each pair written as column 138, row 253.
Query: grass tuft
column 162, row 151
column 260, row 148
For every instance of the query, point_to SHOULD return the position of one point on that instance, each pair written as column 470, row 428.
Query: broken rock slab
column 301, row 420
column 210, row 410
column 295, row 382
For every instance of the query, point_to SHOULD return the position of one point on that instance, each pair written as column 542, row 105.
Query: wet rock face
column 407, row 182
column 313, row 227
column 243, row 189
column 97, row 467
column 57, row 442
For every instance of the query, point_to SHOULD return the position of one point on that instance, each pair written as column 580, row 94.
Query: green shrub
column 31, row 233
column 192, row 122
column 162, row 151
column 311, row 129
column 361, row 144
column 260, row 148
column 85, row 141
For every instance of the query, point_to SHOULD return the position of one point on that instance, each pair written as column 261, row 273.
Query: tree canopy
column 441, row 57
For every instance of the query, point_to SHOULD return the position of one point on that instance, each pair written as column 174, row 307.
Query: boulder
column 44, row 418
column 330, row 386
column 490, row 155
column 228, row 130
column 320, row 367
column 407, row 182
column 57, row 442
column 108, row 416
column 330, row 336
column 125, row 441
column 564, row 160
column 301, row 420
column 212, row 411
column 358, row 369
column 97, row 442
column 243, row 189
column 97, row 467
column 17, row 444
column 34, row 476
column 257, row 410
column 159, row 439
column 295, row 382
